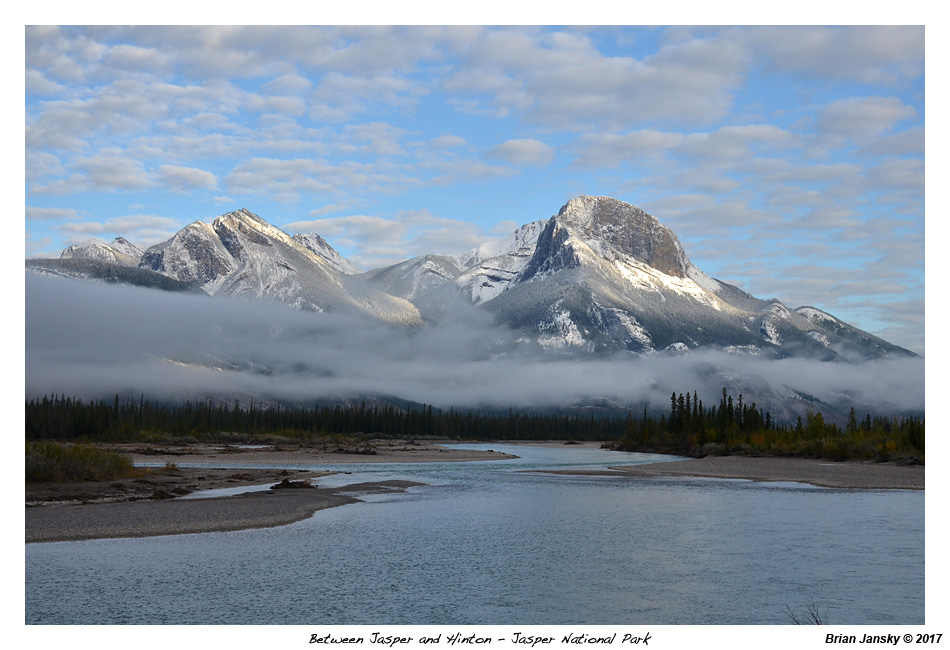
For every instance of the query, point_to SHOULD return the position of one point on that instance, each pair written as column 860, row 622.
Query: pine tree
column 852, row 422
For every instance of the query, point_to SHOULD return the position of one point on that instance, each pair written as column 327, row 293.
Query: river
column 487, row 543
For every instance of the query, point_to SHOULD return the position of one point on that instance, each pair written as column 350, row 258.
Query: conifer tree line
column 67, row 418
column 736, row 427
column 691, row 428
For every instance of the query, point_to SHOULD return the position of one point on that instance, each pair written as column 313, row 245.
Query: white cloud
column 288, row 83
column 340, row 97
column 731, row 143
column 120, row 108
column 523, row 152
column 39, row 247
column 909, row 142
column 37, row 83
column 457, row 169
column 562, row 80
column 50, row 214
column 698, row 158
column 899, row 174
column 346, row 204
column 143, row 230
column 883, row 55
column 606, row 150
column 446, row 142
column 380, row 241
column 111, row 172
column 863, row 118
column 40, row 165
column 288, row 180
column 133, row 58
column 281, row 104
column 63, row 54
column 195, row 146
column 375, row 138
column 185, row 179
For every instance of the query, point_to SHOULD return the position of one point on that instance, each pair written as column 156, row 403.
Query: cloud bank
column 94, row 340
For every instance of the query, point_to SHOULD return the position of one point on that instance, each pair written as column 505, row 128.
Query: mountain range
column 600, row 276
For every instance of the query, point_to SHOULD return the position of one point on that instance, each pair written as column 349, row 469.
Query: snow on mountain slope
column 617, row 275
column 317, row 244
column 242, row 255
column 416, row 277
column 610, row 227
column 434, row 283
column 601, row 275
column 605, row 275
column 126, row 247
column 491, row 267
column 119, row 251
column 194, row 255
column 844, row 338
column 524, row 237
column 427, row 281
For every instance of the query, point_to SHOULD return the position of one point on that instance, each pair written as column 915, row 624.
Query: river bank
column 149, row 502
column 819, row 472
column 260, row 509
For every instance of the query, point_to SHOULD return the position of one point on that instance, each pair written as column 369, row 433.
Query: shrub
column 51, row 461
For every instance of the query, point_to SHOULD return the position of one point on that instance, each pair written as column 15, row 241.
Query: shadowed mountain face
column 600, row 276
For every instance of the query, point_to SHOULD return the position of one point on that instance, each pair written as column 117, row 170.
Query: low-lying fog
column 94, row 340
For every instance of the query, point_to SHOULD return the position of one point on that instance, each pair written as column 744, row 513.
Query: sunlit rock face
column 242, row 255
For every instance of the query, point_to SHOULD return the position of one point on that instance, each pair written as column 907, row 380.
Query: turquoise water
column 484, row 543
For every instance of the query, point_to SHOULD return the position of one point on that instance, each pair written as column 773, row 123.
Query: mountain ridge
column 599, row 276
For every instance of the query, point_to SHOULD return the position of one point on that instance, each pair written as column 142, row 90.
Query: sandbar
column 150, row 502
column 376, row 451
column 261, row 509
column 818, row 472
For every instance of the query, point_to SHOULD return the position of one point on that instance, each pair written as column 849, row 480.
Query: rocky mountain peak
column 600, row 275
column 123, row 245
column 321, row 247
column 610, row 225
column 119, row 252
column 194, row 255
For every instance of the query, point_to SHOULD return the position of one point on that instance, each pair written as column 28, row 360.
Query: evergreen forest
column 690, row 428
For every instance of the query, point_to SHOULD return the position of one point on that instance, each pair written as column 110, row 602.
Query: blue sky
column 788, row 160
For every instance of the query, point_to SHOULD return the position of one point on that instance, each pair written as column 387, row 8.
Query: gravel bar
column 261, row 509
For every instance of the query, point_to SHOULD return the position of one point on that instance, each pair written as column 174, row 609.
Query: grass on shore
column 52, row 461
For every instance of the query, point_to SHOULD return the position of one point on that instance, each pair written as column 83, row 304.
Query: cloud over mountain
column 94, row 341
column 598, row 305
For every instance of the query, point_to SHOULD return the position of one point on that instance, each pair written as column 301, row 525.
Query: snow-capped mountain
column 317, row 244
column 427, row 281
column 241, row 255
column 492, row 267
column 601, row 275
column 118, row 251
column 437, row 284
